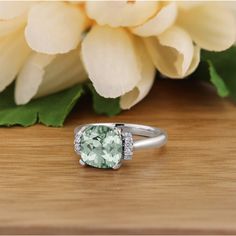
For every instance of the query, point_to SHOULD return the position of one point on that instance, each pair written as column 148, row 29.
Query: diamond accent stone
column 101, row 146
column 128, row 145
column 77, row 143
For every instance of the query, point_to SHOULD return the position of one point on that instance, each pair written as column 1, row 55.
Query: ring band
column 105, row 145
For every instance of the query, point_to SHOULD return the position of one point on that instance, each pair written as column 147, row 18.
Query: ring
column 105, row 145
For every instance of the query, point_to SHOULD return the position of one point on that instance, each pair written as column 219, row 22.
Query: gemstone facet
column 101, row 146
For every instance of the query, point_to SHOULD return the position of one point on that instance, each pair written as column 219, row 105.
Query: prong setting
column 82, row 163
column 117, row 166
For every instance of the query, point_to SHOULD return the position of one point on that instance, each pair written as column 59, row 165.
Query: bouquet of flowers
column 53, row 52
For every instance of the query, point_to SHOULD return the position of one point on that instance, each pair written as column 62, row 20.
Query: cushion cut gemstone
column 101, row 146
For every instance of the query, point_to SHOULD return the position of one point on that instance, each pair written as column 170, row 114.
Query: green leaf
column 51, row 110
column 221, row 71
column 101, row 105
column 217, row 81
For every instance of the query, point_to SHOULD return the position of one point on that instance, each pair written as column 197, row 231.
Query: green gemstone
column 101, row 146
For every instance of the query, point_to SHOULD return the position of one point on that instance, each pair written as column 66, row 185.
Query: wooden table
column 187, row 187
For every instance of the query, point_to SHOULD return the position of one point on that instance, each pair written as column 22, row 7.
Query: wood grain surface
column 188, row 187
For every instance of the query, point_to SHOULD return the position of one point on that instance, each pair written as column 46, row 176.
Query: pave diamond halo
column 106, row 145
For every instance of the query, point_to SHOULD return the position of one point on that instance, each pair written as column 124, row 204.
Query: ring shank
column 153, row 137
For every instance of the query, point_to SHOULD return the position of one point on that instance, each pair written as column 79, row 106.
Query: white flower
column 119, row 65
column 116, row 60
column 51, row 28
column 176, row 51
column 126, row 42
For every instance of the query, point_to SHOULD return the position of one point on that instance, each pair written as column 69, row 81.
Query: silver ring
column 105, row 145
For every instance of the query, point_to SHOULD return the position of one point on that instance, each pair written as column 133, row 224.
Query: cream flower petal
column 46, row 74
column 64, row 72
column 13, row 53
column 30, row 77
column 172, row 52
column 12, row 9
column 110, row 58
column 229, row 5
column 121, row 13
column 159, row 23
column 195, row 61
column 211, row 27
column 54, row 27
column 143, row 87
column 9, row 26
column 189, row 4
